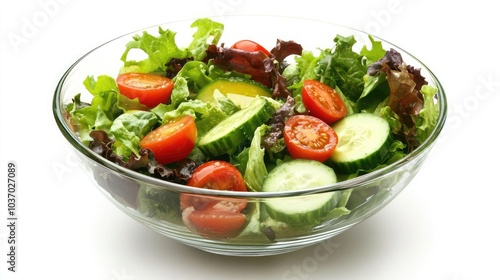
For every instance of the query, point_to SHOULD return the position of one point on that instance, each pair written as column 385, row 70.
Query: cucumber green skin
column 368, row 161
column 303, row 219
column 303, row 211
column 236, row 129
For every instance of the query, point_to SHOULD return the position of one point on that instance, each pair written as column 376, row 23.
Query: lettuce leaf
column 159, row 204
column 392, row 118
column 375, row 91
column 102, row 110
column 427, row 117
column 343, row 67
column 405, row 99
column 106, row 105
column 206, row 115
column 375, row 54
column 159, row 50
column 256, row 171
column 129, row 128
column 303, row 69
column 196, row 74
column 208, row 32
column 105, row 92
column 226, row 104
column 273, row 139
column 144, row 162
column 162, row 48
column 180, row 92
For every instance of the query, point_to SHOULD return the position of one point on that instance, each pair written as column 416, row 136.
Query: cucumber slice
column 235, row 129
column 364, row 139
column 298, row 174
column 240, row 91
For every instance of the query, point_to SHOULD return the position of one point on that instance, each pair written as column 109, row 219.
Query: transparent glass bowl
column 134, row 193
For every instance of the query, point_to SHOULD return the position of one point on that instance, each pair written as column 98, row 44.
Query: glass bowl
column 142, row 197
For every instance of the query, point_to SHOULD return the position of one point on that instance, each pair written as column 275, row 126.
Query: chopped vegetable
column 322, row 101
column 308, row 137
column 307, row 210
column 237, row 128
column 214, row 216
column 250, row 46
column 364, row 140
column 172, row 141
column 149, row 89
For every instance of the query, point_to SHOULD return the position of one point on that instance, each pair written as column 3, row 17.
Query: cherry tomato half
column 323, row 101
column 212, row 223
column 173, row 140
column 250, row 46
column 308, row 137
column 150, row 89
column 217, row 224
column 209, row 215
column 217, row 175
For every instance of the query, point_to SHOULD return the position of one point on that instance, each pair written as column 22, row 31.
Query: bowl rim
column 57, row 109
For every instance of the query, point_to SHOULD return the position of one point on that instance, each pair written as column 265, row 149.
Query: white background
column 443, row 226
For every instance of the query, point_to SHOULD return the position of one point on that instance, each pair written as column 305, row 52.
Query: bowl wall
column 365, row 200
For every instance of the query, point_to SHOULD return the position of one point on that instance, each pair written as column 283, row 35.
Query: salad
column 241, row 117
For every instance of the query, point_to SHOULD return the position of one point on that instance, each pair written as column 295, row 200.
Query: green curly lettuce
column 162, row 48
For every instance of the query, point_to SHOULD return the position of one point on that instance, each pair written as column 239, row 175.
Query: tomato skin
column 217, row 175
column 210, row 215
column 173, row 140
column 323, row 101
column 250, row 46
column 150, row 89
column 308, row 137
column 204, row 202
column 212, row 223
column 218, row 223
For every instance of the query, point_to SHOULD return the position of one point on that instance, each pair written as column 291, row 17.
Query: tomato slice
column 203, row 202
column 215, row 223
column 173, row 140
column 210, row 215
column 217, row 175
column 308, row 137
column 250, row 46
column 150, row 89
column 323, row 101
